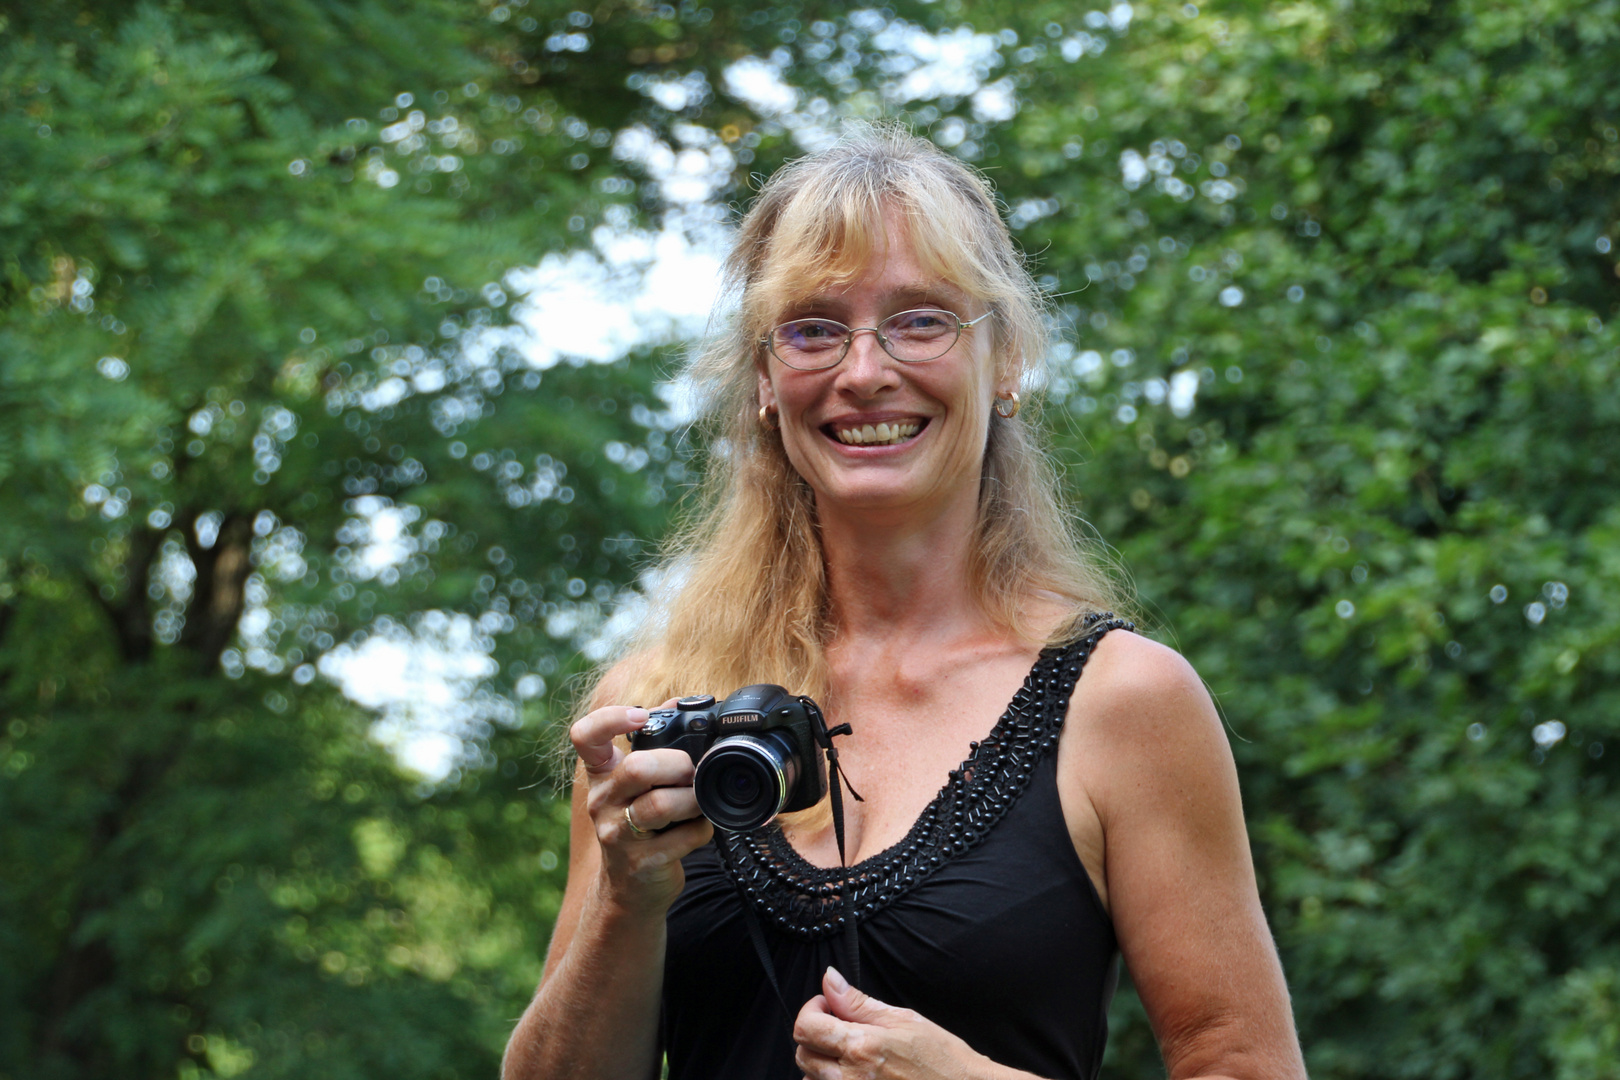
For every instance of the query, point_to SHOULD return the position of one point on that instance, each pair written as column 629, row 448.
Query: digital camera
column 757, row 752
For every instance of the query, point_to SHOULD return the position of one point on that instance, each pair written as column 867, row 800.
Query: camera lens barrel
column 744, row 780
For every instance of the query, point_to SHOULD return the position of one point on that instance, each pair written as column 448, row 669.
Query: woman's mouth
column 888, row 433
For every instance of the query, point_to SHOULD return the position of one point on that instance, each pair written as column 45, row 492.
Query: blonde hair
column 747, row 600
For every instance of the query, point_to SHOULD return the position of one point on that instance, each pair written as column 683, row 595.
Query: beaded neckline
column 806, row 900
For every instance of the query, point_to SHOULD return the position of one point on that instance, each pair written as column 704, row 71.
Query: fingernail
column 636, row 714
column 836, row 980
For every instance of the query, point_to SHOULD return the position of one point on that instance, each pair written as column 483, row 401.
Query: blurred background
column 338, row 430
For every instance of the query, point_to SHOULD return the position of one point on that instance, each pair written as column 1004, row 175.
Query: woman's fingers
column 641, row 805
column 663, row 806
column 652, row 789
column 654, row 786
column 642, row 774
column 845, row 1034
column 656, row 850
column 817, row 1066
column 822, row 1034
column 817, row 1031
column 847, row 1003
column 593, row 735
column 681, row 839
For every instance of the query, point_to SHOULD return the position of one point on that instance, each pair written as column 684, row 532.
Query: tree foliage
column 1337, row 378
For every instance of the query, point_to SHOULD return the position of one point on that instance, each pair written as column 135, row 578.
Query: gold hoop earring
column 1008, row 414
column 767, row 417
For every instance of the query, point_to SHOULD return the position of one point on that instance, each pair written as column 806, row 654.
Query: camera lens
column 744, row 780
column 740, row 786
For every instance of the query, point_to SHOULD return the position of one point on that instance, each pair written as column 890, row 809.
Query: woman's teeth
column 878, row 434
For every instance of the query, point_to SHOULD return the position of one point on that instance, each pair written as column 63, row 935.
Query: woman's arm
column 596, row 1011
column 1153, row 761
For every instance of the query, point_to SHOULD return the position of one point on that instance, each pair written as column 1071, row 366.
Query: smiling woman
column 883, row 534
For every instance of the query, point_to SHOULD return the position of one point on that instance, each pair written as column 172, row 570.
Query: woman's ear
column 767, row 396
column 1010, row 377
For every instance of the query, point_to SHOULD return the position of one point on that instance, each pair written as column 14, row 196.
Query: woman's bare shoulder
column 1139, row 705
column 1130, row 673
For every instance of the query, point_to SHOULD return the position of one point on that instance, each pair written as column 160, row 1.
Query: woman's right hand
column 595, row 1015
column 652, row 789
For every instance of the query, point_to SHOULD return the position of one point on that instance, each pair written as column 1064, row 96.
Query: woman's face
column 938, row 412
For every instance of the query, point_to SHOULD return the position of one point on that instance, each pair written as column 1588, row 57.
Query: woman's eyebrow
column 810, row 305
column 899, row 299
column 936, row 293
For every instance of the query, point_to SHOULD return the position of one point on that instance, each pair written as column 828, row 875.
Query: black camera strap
column 835, row 772
column 852, row 951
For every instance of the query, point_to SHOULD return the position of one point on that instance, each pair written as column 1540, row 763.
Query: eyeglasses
column 911, row 337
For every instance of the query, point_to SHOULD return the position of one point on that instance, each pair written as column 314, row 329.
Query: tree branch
column 218, row 599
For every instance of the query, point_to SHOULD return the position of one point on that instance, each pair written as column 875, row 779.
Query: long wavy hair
column 744, row 594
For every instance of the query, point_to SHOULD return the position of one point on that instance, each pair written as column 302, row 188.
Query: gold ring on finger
column 630, row 820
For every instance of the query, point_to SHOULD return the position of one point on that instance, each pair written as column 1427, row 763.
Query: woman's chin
column 897, row 493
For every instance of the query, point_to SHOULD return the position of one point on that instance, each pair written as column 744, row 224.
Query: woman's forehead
column 889, row 268
column 898, row 293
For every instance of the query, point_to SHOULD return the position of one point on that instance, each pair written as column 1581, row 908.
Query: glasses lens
column 809, row 344
column 924, row 334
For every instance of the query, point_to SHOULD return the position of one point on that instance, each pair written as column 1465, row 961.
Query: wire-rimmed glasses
column 911, row 337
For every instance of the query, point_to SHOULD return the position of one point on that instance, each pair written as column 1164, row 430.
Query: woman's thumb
column 848, row 1003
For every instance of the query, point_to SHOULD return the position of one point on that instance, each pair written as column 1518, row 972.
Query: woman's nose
column 866, row 369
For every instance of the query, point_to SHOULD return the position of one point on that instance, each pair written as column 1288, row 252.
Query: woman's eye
column 814, row 332
column 919, row 322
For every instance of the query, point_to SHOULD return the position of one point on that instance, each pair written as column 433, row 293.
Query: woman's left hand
column 844, row 1034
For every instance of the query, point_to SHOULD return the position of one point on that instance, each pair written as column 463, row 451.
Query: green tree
column 253, row 259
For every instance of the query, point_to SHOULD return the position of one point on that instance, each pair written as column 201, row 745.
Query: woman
column 883, row 535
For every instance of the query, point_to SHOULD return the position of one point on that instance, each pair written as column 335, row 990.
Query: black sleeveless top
column 982, row 919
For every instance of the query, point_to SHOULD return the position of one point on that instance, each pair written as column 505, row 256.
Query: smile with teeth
column 885, row 434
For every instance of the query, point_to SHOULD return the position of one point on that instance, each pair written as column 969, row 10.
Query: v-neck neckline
column 799, row 896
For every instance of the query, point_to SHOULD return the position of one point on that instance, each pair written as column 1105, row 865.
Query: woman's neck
column 902, row 577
